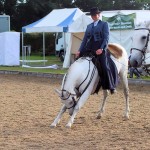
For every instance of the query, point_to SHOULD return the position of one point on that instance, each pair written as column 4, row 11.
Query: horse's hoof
column 113, row 91
column 125, row 118
column 68, row 126
column 98, row 117
column 52, row 126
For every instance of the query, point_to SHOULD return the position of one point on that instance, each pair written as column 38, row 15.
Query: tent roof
column 60, row 20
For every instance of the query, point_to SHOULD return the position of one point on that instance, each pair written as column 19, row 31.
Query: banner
column 120, row 21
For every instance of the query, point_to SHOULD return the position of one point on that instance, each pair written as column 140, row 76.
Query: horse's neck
column 148, row 45
column 77, row 73
column 68, row 84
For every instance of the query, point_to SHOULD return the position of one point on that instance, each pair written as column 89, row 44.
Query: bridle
column 143, row 51
column 69, row 95
column 73, row 95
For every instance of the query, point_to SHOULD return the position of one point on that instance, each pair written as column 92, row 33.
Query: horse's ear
column 58, row 92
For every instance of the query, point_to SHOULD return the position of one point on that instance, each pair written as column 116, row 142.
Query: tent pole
column 120, row 26
column 22, row 49
column 64, row 45
column 44, row 48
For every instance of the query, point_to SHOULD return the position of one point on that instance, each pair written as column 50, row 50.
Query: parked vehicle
column 59, row 46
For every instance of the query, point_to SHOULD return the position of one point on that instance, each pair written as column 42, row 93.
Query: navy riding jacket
column 100, row 33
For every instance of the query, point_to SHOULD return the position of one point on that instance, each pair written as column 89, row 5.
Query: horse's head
column 68, row 99
column 140, row 46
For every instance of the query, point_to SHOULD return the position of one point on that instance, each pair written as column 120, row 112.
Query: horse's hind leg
column 126, row 94
column 57, row 119
column 101, row 111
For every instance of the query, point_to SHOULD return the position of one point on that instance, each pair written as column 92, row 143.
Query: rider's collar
column 95, row 23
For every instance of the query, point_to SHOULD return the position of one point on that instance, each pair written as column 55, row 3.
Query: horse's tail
column 116, row 50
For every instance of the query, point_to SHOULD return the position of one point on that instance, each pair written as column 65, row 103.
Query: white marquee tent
column 60, row 20
column 73, row 22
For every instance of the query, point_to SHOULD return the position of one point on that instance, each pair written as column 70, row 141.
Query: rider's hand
column 99, row 51
column 77, row 54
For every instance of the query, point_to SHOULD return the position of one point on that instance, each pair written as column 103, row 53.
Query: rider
column 96, row 39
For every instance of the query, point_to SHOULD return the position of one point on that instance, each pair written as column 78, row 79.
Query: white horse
column 81, row 81
column 140, row 51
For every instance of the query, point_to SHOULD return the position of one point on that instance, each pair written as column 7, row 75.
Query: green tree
column 112, row 4
column 1, row 7
column 145, row 4
column 125, row 5
column 63, row 3
column 32, row 11
column 24, row 12
column 10, row 7
column 85, row 6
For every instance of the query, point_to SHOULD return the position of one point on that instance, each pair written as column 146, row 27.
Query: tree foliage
column 63, row 3
column 145, row 4
column 25, row 12
column 85, row 6
column 109, row 4
column 125, row 5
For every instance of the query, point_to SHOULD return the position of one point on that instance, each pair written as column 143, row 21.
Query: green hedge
column 36, row 42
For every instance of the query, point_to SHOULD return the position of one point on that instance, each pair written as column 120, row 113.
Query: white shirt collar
column 95, row 23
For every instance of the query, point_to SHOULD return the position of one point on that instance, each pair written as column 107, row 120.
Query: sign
column 4, row 23
column 120, row 21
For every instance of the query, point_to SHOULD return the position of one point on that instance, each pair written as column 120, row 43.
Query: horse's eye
column 143, row 37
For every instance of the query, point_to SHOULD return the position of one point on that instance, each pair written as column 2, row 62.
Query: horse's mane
column 116, row 50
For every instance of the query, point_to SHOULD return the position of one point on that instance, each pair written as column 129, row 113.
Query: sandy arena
column 28, row 105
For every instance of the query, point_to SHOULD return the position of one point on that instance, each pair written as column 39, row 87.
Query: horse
column 140, row 51
column 81, row 81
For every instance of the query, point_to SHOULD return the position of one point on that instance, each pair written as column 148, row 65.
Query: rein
column 92, row 74
column 87, row 74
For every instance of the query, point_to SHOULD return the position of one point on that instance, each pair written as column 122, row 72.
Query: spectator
column 133, row 71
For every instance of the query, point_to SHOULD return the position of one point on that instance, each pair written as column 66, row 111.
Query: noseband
column 143, row 51
column 65, row 98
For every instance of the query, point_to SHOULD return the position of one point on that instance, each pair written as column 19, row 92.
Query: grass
column 51, row 60
column 145, row 77
column 142, row 77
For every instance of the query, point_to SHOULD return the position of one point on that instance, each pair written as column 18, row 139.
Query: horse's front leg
column 80, row 103
column 57, row 119
column 102, row 108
